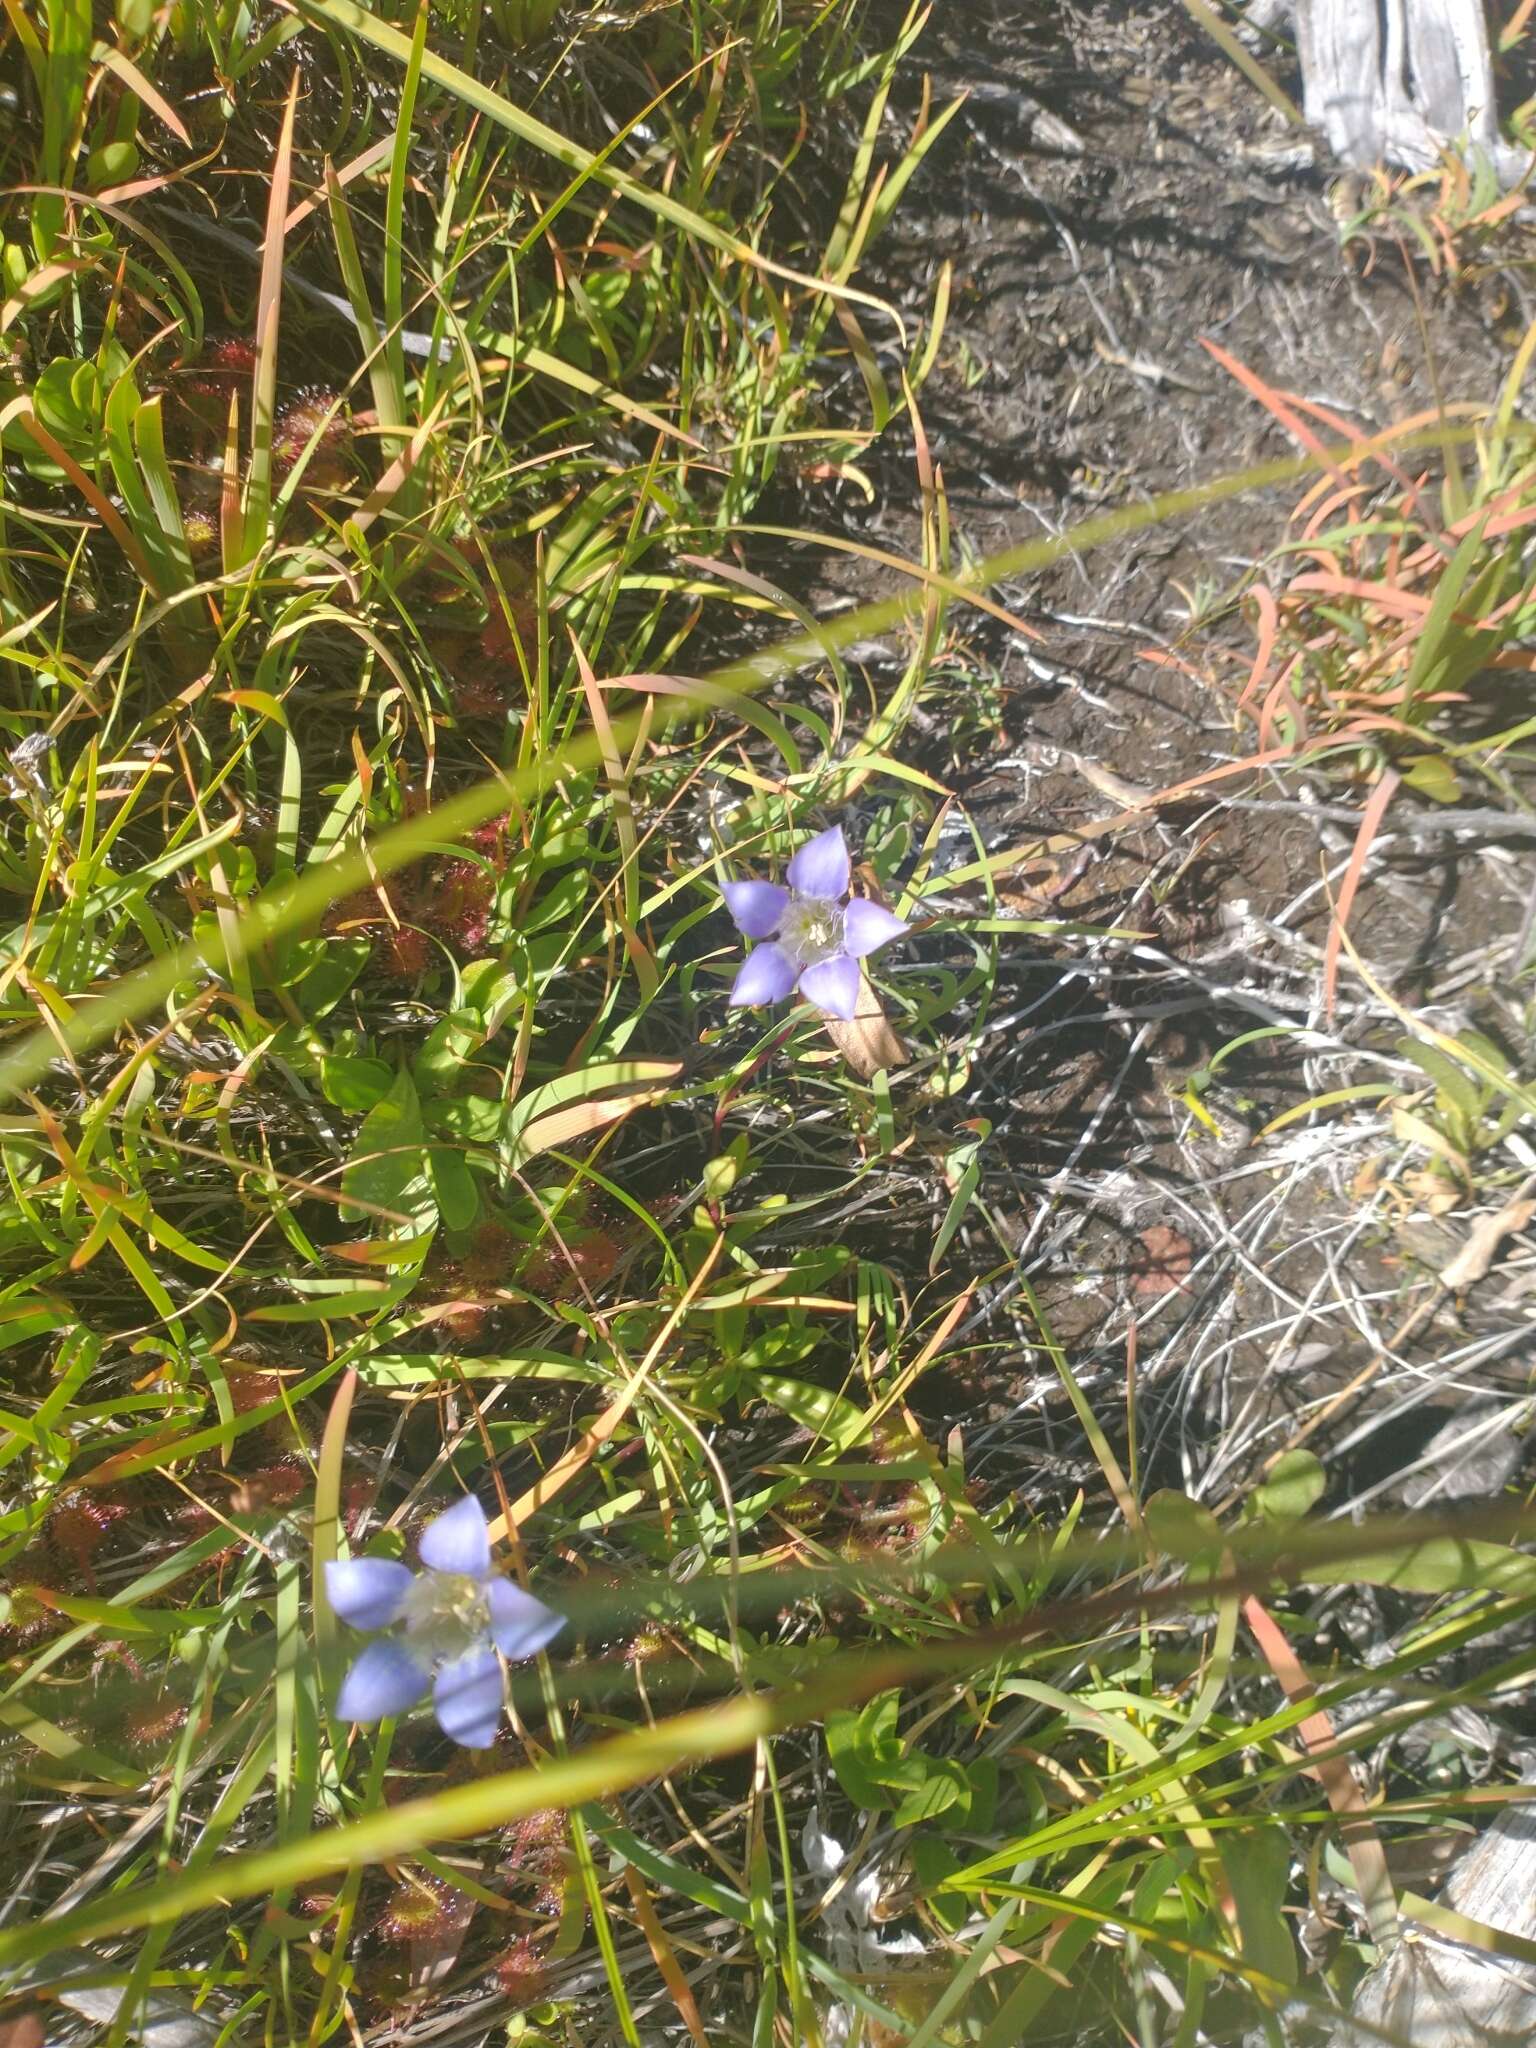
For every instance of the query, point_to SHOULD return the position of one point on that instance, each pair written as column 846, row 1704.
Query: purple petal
column 821, row 866
column 368, row 1592
column 384, row 1681
column 867, row 925
column 467, row 1698
column 833, row 986
column 767, row 976
column 459, row 1540
column 757, row 907
column 520, row 1625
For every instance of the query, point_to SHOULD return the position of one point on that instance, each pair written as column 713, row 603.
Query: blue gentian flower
column 817, row 939
column 457, row 1612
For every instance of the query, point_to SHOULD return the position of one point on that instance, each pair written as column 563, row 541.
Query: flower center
column 812, row 929
column 446, row 1614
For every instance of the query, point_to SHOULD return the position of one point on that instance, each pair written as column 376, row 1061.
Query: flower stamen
column 812, row 929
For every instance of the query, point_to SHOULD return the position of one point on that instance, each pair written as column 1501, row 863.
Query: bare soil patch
column 1111, row 193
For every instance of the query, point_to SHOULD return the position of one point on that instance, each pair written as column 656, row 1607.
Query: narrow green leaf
column 386, row 1167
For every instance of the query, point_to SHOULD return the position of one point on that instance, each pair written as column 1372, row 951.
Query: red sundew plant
column 454, row 903
column 225, row 357
column 508, row 647
column 459, row 902
column 886, row 1525
column 404, row 952
column 273, row 1487
column 204, row 389
column 480, row 692
column 538, row 1841
column 579, row 1263
column 315, row 1903
column 78, row 1527
column 386, row 1982
column 509, row 639
column 521, row 1973
column 149, row 1724
column 451, row 900
column 200, row 520
column 466, row 1325
column 650, row 1644
column 423, row 1914
column 536, row 1851
column 469, row 1286
column 251, row 1387
column 360, row 911
column 488, row 669
column 195, row 1518
column 492, row 838
column 358, row 1490
column 489, row 1258
column 313, row 420
column 26, row 1617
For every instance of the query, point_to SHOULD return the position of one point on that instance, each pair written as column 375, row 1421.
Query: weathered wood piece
column 1439, row 1993
column 1399, row 81
column 1267, row 17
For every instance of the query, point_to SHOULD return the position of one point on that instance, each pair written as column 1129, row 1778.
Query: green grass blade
column 495, row 107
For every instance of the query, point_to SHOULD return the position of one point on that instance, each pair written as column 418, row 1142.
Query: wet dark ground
column 1112, row 192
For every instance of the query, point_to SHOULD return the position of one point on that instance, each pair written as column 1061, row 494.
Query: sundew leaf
column 1257, row 1861
column 453, row 1187
column 335, row 1301
column 354, row 1083
column 65, row 1749
column 1293, row 1488
column 865, row 1750
column 387, row 1170
column 1433, row 1564
column 831, row 1417
column 1181, row 1526
column 943, row 1785
column 575, row 1105
column 664, row 1870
